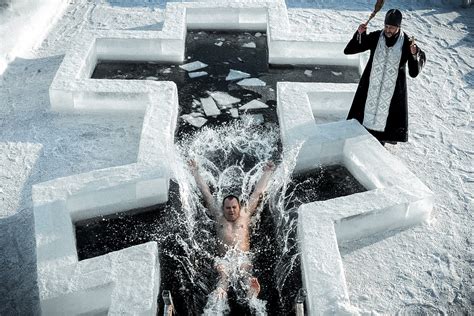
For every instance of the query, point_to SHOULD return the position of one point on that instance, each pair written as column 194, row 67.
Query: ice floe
column 223, row 98
column 234, row 113
column 308, row 73
column 210, row 107
column 195, row 65
column 236, row 74
column 197, row 74
column 335, row 73
column 252, row 82
column 254, row 104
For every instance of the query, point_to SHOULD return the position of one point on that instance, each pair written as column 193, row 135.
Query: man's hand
column 362, row 28
column 254, row 287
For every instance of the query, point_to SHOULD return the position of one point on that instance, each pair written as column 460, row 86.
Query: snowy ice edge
column 132, row 275
column 395, row 199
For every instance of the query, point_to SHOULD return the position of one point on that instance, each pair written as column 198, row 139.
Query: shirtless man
column 233, row 227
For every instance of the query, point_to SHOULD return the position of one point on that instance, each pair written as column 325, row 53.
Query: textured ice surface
column 252, row 82
column 236, row 74
column 210, row 107
column 223, row 98
column 254, row 104
column 195, row 65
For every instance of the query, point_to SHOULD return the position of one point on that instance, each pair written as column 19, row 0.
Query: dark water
column 200, row 46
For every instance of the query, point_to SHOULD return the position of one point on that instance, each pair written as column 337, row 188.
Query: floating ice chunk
column 194, row 121
column 250, row 45
column 196, row 102
column 195, row 65
column 254, row 104
column 336, row 73
column 240, row 59
column 166, row 71
column 252, row 82
column 219, row 44
column 210, row 107
column 258, row 34
column 234, row 113
column 236, row 74
column 223, row 98
column 308, row 73
column 196, row 114
column 197, row 74
column 151, row 78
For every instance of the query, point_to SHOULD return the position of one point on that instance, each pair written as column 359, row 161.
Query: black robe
column 396, row 129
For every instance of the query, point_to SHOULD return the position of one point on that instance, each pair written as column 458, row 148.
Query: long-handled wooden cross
column 378, row 6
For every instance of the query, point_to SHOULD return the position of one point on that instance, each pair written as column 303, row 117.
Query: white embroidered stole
column 383, row 78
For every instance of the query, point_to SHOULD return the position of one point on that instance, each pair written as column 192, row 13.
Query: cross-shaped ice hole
column 128, row 281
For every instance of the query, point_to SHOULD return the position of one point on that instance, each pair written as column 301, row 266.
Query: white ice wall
column 125, row 281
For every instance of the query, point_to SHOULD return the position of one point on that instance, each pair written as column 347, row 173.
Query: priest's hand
column 413, row 47
column 362, row 28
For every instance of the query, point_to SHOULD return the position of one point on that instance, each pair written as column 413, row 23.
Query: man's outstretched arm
column 203, row 187
column 260, row 187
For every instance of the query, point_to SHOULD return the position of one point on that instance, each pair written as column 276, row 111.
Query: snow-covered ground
column 425, row 268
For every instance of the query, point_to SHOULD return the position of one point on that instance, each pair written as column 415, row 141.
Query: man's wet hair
column 230, row 196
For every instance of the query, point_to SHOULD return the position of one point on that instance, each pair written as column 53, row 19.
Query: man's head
column 393, row 21
column 231, row 207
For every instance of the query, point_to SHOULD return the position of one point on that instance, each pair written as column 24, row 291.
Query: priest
column 380, row 103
